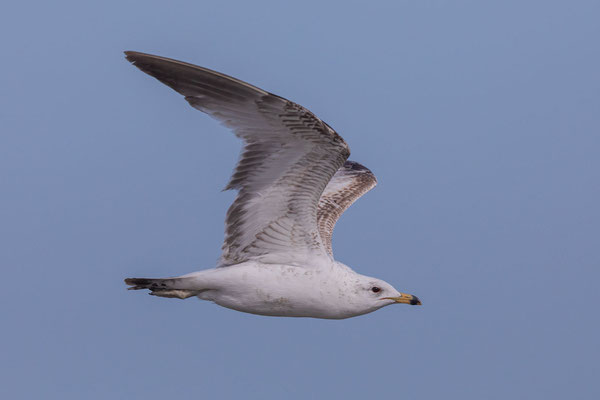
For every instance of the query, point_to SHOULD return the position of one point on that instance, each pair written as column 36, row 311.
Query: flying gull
column 293, row 184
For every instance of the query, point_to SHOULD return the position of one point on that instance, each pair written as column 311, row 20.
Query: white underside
column 332, row 292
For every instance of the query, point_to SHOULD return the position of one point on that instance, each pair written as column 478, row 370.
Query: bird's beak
column 405, row 299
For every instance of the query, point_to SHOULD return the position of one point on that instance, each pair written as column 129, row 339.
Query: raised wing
column 350, row 182
column 288, row 158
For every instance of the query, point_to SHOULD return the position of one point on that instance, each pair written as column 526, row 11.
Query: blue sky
column 480, row 119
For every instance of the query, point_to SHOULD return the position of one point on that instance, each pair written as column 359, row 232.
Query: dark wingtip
column 357, row 169
column 135, row 56
column 129, row 55
column 353, row 165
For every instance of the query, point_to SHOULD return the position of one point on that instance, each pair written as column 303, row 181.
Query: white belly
column 281, row 290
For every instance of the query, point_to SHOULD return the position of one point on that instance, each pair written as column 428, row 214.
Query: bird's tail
column 163, row 287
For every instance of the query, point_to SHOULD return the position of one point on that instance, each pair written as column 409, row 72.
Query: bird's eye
column 375, row 289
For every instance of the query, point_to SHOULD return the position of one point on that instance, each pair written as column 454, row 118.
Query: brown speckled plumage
column 349, row 183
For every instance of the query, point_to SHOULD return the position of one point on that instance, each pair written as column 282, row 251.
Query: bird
column 293, row 182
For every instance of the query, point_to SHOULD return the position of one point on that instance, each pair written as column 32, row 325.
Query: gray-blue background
column 480, row 119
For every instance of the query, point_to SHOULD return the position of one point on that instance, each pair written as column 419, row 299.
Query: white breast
column 284, row 290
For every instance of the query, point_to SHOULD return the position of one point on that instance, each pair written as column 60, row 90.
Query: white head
column 369, row 294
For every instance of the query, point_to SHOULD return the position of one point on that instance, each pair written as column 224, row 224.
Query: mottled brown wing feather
column 349, row 183
column 288, row 158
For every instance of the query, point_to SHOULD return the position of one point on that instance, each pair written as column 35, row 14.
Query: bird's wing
column 288, row 158
column 350, row 182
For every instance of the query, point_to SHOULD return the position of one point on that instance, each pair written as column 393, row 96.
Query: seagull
column 293, row 182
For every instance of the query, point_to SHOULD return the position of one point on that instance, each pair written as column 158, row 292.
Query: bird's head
column 375, row 293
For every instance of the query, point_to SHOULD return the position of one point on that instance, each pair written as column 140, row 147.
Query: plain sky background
column 481, row 120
